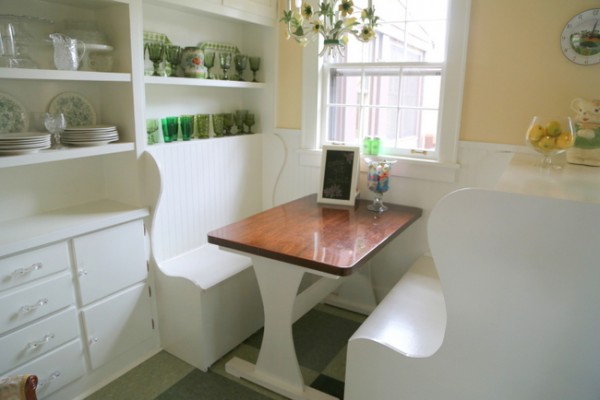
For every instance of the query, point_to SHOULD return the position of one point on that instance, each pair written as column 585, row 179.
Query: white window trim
column 450, row 109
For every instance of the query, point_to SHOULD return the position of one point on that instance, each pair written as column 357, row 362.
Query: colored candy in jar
column 378, row 177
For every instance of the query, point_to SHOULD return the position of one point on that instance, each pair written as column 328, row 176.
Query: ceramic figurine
column 586, row 150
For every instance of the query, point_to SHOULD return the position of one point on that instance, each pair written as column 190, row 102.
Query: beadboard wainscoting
column 205, row 184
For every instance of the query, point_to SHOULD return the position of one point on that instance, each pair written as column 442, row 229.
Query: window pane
column 343, row 124
column 345, row 86
column 417, row 130
column 383, row 85
column 383, row 123
column 420, row 87
column 408, row 30
column 425, row 10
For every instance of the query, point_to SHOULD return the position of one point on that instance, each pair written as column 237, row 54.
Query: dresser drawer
column 36, row 300
column 37, row 338
column 110, row 260
column 56, row 368
column 34, row 264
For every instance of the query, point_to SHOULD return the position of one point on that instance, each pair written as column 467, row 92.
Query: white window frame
column 453, row 77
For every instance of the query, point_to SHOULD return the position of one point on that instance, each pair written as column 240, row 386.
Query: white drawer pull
column 82, row 272
column 93, row 340
column 44, row 382
column 37, row 343
column 28, row 270
column 31, row 307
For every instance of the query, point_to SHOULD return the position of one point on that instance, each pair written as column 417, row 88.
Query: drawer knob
column 48, row 380
column 94, row 339
column 31, row 307
column 36, row 343
column 24, row 271
column 82, row 272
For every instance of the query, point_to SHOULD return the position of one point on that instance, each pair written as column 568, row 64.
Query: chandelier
column 334, row 21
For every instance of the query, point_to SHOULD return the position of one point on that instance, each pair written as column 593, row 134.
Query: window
column 405, row 87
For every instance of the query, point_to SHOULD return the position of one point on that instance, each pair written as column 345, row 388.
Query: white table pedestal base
column 277, row 368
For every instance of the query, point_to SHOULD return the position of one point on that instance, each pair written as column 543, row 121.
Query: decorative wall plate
column 13, row 116
column 218, row 47
column 77, row 109
column 580, row 39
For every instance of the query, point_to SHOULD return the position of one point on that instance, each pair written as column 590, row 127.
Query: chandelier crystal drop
column 334, row 21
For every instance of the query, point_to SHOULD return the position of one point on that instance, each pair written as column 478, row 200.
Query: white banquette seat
column 514, row 315
column 208, row 299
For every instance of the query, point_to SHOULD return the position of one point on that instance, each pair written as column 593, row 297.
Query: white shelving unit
column 57, row 195
column 249, row 25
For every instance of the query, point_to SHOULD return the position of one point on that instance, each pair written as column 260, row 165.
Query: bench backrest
column 521, row 282
column 204, row 184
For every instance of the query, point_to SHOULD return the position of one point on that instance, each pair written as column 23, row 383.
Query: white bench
column 409, row 321
column 207, row 299
column 519, row 316
column 207, row 304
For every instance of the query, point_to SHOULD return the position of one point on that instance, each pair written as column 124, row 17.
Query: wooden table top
column 331, row 239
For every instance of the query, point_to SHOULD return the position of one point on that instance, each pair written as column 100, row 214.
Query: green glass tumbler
column 187, row 126
column 218, row 125
column 202, row 121
column 170, row 127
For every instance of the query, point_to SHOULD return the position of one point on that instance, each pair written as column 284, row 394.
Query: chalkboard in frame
column 339, row 175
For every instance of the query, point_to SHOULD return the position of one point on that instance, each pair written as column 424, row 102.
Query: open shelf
column 50, row 75
column 159, row 80
column 67, row 153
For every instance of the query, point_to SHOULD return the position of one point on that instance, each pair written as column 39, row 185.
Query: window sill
column 404, row 167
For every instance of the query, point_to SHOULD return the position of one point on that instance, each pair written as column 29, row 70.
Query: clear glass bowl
column 550, row 136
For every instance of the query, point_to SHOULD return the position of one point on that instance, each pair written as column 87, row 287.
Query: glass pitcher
column 67, row 54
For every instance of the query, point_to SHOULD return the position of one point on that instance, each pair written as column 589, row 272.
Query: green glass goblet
column 228, row 123
column 156, row 54
column 225, row 63
column 241, row 61
column 249, row 122
column 254, row 67
column 239, row 117
column 173, row 55
column 152, row 130
column 209, row 62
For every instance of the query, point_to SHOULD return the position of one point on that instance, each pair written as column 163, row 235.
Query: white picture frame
column 339, row 175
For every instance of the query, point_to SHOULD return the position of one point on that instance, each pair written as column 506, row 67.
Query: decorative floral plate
column 156, row 37
column 13, row 117
column 77, row 109
column 218, row 47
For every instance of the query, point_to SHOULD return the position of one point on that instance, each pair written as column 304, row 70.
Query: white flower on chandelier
column 334, row 24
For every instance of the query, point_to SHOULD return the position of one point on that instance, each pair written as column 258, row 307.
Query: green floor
column 320, row 338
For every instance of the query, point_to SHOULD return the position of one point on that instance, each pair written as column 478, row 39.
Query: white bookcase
column 60, row 203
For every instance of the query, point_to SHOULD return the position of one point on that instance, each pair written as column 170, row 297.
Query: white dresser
column 75, row 301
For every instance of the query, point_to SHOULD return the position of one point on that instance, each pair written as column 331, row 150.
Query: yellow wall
column 515, row 69
column 289, row 87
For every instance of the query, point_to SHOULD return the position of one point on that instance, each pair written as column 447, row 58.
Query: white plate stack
column 89, row 135
column 23, row 142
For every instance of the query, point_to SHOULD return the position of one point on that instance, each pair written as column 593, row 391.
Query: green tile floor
column 320, row 338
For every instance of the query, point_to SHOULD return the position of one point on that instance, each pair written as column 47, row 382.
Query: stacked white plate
column 89, row 135
column 23, row 142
